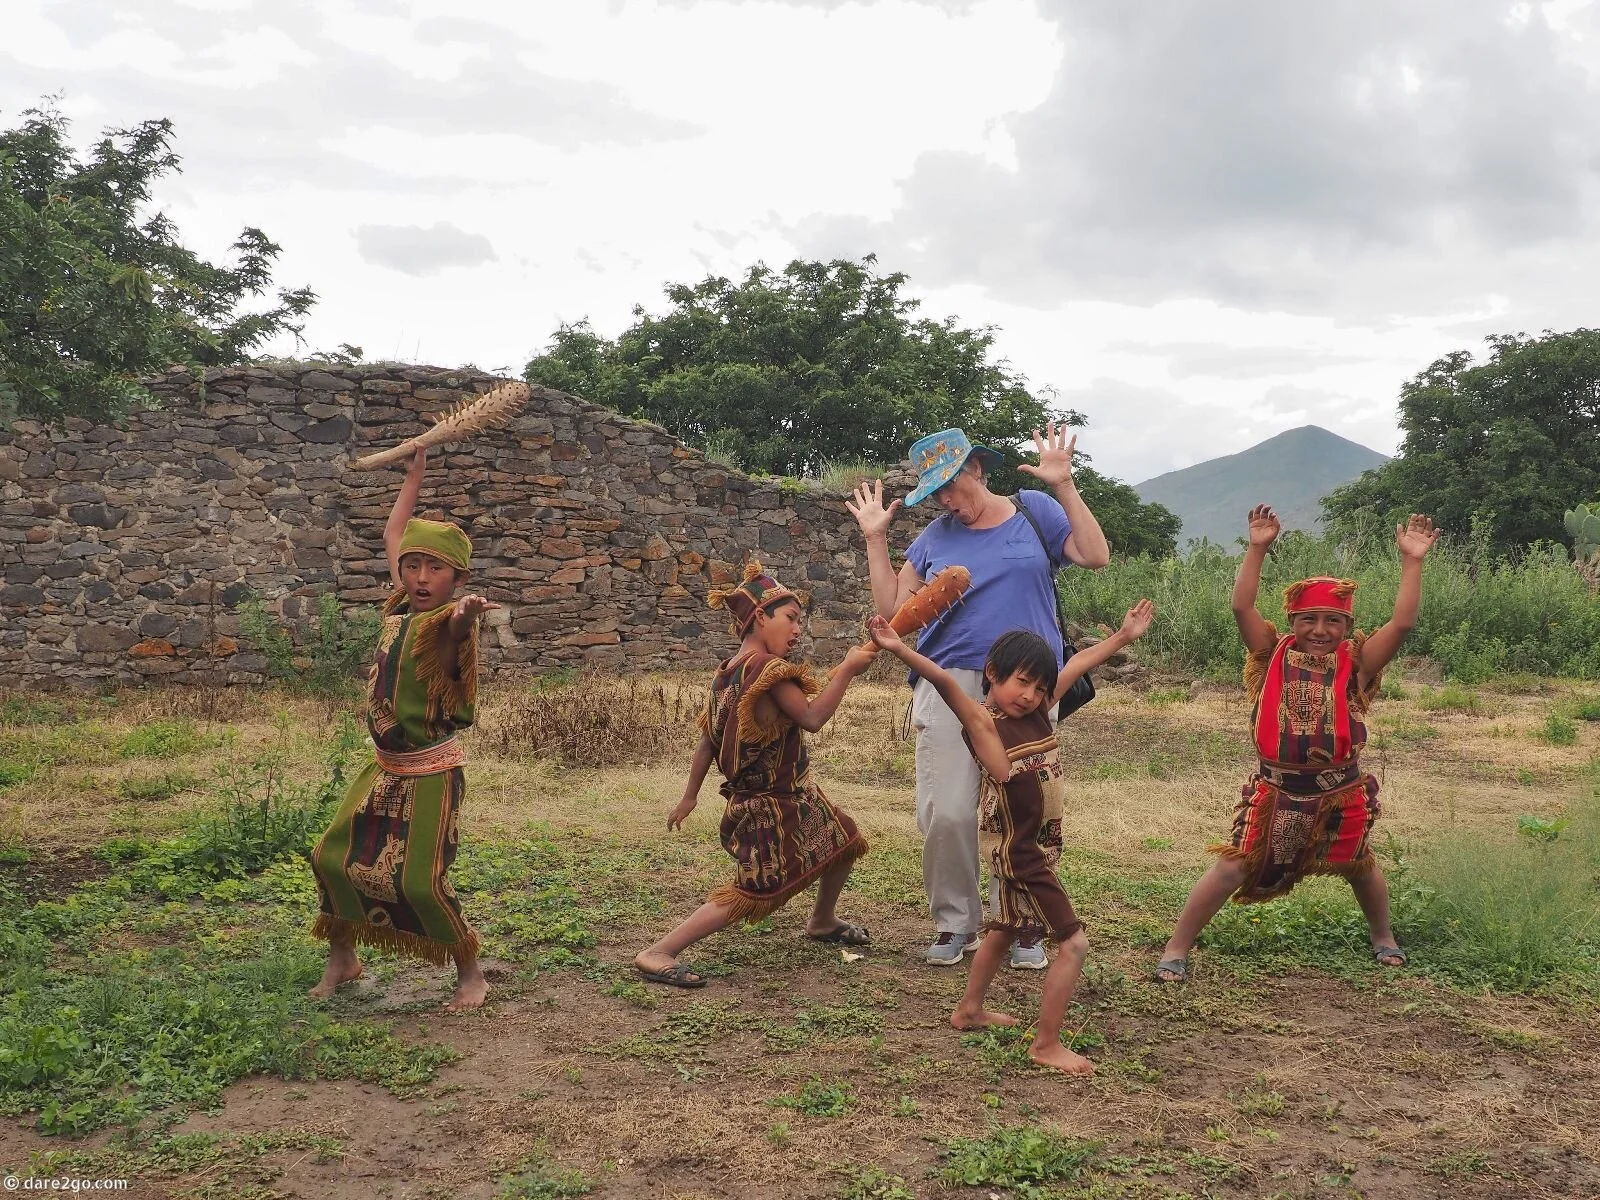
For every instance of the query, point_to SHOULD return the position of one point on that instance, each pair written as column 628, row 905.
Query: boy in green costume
column 382, row 865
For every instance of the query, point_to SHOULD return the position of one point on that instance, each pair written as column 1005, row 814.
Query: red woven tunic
column 1309, row 808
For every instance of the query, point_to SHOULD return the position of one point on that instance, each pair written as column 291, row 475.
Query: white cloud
column 1199, row 222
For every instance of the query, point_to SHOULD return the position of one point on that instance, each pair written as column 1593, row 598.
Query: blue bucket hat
column 939, row 457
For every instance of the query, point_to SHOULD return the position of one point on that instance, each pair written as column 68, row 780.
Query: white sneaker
column 948, row 949
column 1028, row 956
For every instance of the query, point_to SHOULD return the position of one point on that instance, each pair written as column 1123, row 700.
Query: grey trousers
column 947, row 807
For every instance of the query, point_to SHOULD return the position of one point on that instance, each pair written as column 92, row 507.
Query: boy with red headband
column 782, row 833
column 1309, row 809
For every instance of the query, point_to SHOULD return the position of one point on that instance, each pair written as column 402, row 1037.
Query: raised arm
column 889, row 591
column 404, row 505
column 811, row 714
column 975, row 719
column 1413, row 540
column 1134, row 624
column 704, row 754
column 1086, row 544
column 1255, row 629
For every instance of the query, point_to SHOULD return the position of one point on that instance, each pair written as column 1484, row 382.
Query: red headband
column 1322, row 594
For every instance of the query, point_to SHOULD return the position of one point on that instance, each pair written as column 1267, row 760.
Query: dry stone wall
column 126, row 550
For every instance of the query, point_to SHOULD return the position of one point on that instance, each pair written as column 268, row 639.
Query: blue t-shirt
column 1013, row 580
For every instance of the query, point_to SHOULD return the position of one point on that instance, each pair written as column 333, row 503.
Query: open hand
column 1416, row 537
column 1264, row 526
column 866, row 506
column 470, row 606
column 1054, row 449
column 1138, row 620
column 677, row 816
column 883, row 634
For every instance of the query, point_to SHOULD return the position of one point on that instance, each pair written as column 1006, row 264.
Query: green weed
column 1162, row 697
column 1451, row 698
column 163, row 739
column 1256, row 1102
column 1403, row 730
column 324, row 656
column 148, row 789
column 1557, row 731
column 818, row 1099
column 15, row 772
column 537, row 1179
column 872, row 1183
column 1585, row 708
column 1022, row 1158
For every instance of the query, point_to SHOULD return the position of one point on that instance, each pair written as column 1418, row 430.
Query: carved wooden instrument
column 495, row 407
column 943, row 592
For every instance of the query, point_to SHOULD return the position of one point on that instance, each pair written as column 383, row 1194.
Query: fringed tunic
column 1309, row 808
column 779, row 828
column 381, row 867
column 1019, row 831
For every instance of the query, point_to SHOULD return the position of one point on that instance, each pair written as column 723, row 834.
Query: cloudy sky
column 1200, row 221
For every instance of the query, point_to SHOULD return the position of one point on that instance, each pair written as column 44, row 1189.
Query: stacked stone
column 126, row 550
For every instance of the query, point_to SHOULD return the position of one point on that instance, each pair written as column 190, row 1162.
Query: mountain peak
column 1292, row 471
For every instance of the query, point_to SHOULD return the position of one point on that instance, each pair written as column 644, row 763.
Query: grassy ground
column 153, row 1024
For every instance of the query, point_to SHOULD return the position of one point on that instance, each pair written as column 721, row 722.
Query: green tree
column 788, row 370
column 95, row 291
column 1132, row 526
column 1500, row 448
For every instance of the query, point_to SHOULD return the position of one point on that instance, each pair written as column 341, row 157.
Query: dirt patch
column 1285, row 1087
column 51, row 874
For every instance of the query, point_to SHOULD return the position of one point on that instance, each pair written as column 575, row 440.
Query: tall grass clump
column 1481, row 615
column 1519, row 915
column 594, row 718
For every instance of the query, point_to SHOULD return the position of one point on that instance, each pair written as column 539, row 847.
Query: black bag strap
column 1038, row 531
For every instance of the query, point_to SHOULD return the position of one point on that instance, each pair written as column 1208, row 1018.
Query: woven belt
column 434, row 759
column 1301, row 782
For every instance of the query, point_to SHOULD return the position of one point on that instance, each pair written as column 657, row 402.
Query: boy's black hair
column 1024, row 651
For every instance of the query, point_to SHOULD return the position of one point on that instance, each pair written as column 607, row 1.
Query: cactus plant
column 1583, row 527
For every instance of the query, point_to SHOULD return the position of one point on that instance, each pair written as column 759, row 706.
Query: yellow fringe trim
column 450, row 693
column 776, row 671
column 742, row 906
column 384, row 937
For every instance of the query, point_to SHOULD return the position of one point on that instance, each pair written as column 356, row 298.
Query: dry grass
column 595, row 719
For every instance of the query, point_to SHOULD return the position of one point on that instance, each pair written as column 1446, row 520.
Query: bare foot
column 471, row 989
column 980, row 1019
column 1062, row 1059
column 343, row 967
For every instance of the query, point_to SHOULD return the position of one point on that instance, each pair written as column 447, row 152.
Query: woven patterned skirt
column 780, row 843
column 1282, row 837
column 381, row 866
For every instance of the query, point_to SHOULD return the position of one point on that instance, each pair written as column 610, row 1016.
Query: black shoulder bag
column 1082, row 689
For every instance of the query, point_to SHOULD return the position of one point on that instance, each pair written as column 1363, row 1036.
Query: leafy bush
column 264, row 817
column 338, row 643
column 1481, row 615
